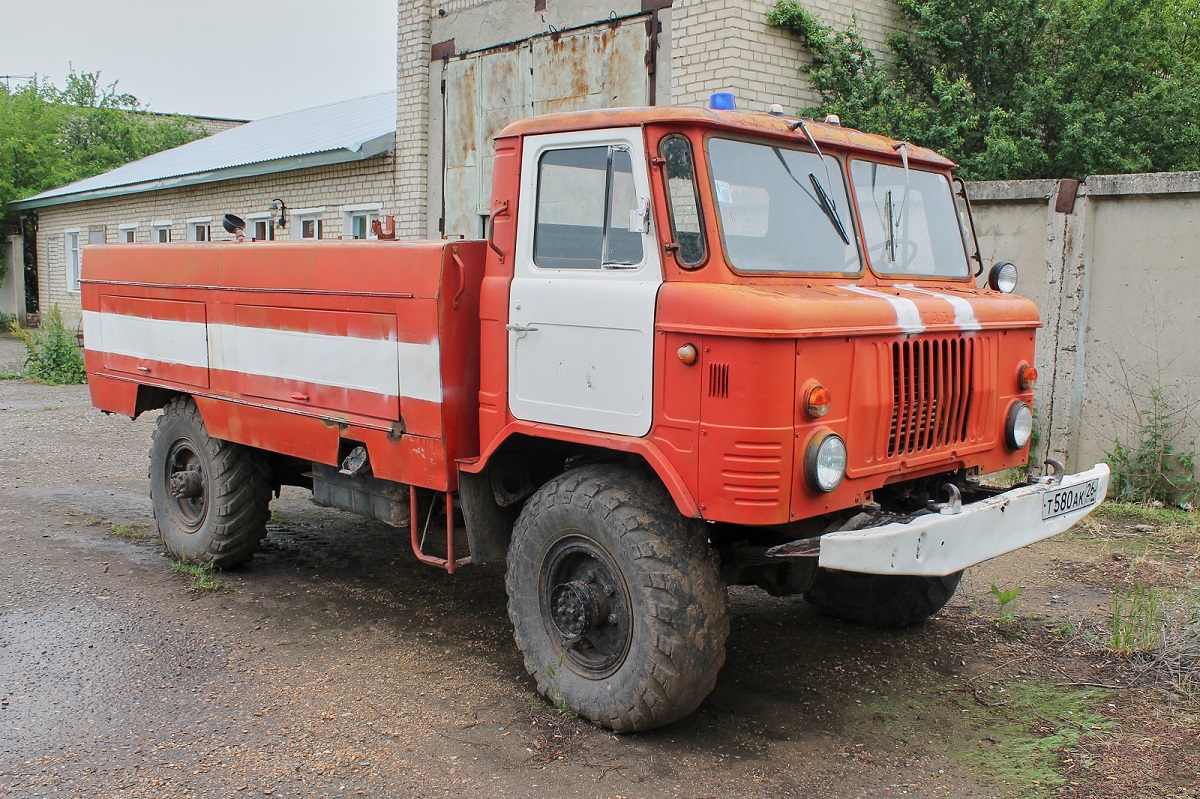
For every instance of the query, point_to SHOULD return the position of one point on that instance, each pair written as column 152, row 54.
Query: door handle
column 520, row 328
column 300, row 397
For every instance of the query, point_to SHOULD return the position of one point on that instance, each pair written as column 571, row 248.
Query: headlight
column 1019, row 426
column 825, row 462
column 1003, row 277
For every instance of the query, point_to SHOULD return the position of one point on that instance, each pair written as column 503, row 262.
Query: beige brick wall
column 726, row 45
column 331, row 187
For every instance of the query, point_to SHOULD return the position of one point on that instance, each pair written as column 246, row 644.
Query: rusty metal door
column 601, row 66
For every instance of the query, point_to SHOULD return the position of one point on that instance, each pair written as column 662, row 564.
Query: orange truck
column 697, row 348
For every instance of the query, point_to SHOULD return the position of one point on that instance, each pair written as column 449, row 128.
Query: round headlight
column 1019, row 427
column 1003, row 277
column 825, row 462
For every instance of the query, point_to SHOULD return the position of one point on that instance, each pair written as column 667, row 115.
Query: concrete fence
column 1114, row 266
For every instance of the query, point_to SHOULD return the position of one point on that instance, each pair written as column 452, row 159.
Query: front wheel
column 615, row 599
column 211, row 497
column 880, row 600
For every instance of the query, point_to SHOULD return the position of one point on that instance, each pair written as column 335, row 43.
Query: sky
column 239, row 60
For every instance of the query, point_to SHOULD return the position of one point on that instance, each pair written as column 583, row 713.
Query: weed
column 54, row 355
column 10, row 374
column 276, row 517
column 1152, row 469
column 131, row 531
column 200, row 578
column 557, row 700
column 1003, row 598
column 1135, row 623
column 92, row 521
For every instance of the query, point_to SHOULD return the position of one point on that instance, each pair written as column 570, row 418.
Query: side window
column 687, row 227
column 586, row 208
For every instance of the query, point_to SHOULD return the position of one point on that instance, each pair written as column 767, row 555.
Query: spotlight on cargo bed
column 722, row 101
column 233, row 224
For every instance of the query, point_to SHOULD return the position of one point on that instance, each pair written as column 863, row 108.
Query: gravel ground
column 335, row 665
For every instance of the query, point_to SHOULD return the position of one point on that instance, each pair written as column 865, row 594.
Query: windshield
column 782, row 210
column 909, row 221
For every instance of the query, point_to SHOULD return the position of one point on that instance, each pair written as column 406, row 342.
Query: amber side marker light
column 1026, row 377
column 687, row 354
column 817, row 402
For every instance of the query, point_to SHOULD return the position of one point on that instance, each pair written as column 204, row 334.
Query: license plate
column 1070, row 498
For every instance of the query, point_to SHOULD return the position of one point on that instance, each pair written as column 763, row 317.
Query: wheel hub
column 187, row 484
column 577, row 607
column 586, row 606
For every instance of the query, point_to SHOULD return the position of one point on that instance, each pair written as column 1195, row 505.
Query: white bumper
column 936, row 545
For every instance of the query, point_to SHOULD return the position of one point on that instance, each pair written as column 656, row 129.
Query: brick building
column 467, row 68
column 323, row 172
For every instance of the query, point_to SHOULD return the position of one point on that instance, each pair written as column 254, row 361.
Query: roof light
column 833, row 119
column 776, row 110
column 722, row 101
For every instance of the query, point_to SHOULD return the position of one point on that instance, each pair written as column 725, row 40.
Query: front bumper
column 936, row 545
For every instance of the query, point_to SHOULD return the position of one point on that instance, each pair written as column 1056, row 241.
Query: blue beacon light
column 722, row 101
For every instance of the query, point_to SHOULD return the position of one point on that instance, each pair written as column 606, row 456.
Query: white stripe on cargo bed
column 391, row 368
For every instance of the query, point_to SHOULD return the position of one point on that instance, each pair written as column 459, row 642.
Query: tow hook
column 1056, row 472
column 953, row 506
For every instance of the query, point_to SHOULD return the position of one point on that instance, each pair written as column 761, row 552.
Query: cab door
column 586, row 277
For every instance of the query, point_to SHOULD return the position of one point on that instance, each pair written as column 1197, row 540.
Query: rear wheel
column 615, row 599
column 210, row 497
column 880, row 600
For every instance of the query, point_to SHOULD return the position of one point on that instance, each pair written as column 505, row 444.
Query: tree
column 50, row 137
column 1021, row 88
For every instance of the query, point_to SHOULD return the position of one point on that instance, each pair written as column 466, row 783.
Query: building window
column 161, row 231
column 73, row 259
column 127, row 234
column 307, row 223
column 260, row 227
column 198, row 230
column 357, row 219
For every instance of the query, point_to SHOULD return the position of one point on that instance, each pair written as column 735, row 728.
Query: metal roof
column 350, row 130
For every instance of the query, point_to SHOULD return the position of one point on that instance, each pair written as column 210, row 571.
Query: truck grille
column 931, row 393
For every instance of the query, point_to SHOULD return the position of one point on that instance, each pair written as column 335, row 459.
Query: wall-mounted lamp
column 277, row 205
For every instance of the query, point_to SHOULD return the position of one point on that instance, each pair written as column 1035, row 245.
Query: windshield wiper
column 828, row 207
column 824, row 200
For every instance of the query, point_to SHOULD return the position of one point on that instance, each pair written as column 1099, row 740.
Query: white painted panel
column 587, row 360
column 383, row 367
column 162, row 340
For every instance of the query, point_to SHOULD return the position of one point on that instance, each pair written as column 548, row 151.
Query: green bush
column 1152, row 469
column 54, row 355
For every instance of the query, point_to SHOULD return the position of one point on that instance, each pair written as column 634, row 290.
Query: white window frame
column 193, row 227
column 127, row 233
column 159, row 225
column 300, row 215
column 73, row 258
column 260, row 216
column 370, row 210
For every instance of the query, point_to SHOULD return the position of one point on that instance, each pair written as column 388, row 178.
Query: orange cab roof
column 732, row 121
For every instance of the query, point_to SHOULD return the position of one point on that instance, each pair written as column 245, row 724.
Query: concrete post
column 12, row 289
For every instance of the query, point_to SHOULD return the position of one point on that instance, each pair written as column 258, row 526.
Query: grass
column 10, row 374
column 200, row 578
column 1017, row 736
column 1135, row 620
column 133, row 532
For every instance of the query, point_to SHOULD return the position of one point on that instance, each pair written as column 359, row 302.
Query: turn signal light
column 817, row 402
column 1026, row 377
